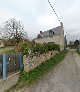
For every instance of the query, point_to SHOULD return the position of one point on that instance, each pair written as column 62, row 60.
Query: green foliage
column 36, row 48
column 46, row 47
column 36, row 73
column 24, row 75
column 52, row 46
column 78, row 51
column 24, row 49
column 40, row 48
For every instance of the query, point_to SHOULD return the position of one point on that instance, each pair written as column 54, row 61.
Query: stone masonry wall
column 35, row 60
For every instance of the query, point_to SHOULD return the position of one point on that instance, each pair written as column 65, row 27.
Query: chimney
column 40, row 32
column 61, row 24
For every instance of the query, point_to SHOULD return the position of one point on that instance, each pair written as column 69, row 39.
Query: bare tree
column 13, row 29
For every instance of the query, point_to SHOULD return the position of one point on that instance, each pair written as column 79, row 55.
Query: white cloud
column 5, row 15
column 37, row 14
column 48, row 22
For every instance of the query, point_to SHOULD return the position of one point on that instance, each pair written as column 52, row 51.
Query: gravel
column 64, row 78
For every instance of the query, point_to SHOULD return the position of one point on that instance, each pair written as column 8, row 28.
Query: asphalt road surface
column 64, row 78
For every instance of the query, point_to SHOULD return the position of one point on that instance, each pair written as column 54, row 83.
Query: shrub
column 52, row 46
column 24, row 49
column 46, row 47
column 36, row 48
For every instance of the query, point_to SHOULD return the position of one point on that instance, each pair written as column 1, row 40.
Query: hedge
column 46, row 47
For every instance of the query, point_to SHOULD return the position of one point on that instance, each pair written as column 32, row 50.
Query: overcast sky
column 37, row 15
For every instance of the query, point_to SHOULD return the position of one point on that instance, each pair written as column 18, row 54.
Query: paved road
column 65, row 77
column 11, row 80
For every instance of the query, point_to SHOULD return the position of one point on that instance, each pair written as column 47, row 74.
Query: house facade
column 55, row 35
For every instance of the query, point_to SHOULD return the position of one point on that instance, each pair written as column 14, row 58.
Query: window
column 51, row 33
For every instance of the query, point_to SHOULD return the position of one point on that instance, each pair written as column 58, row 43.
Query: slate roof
column 56, row 31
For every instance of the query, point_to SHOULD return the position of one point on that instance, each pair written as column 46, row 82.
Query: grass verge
column 35, row 74
column 78, row 51
column 6, row 49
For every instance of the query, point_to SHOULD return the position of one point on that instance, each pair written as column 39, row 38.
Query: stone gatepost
column 26, row 64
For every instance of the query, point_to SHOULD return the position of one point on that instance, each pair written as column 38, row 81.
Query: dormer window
column 39, row 36
column 51, row 33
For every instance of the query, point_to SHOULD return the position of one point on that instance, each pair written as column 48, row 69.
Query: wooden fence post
column 4, row 66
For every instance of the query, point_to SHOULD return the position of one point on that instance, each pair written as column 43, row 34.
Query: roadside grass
column 78, row 51
column 6, row 49
column 35, row 74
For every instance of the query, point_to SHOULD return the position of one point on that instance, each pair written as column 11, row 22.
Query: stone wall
column 35, row 60
column 1, row 44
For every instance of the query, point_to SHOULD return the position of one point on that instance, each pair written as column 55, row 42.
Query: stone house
column 1, row 43
column 55, row 35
